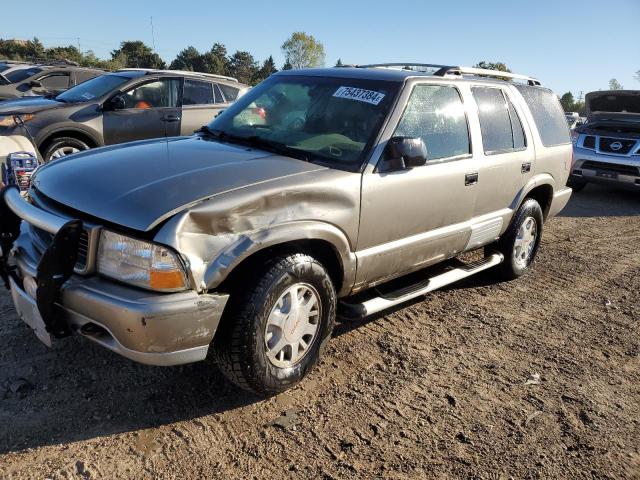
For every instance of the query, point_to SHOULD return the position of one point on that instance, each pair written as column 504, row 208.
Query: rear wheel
column 276, row 328
column 63, row 146
column 519, row 244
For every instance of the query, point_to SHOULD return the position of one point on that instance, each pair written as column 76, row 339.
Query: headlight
column 140, row 263
column 9, row 121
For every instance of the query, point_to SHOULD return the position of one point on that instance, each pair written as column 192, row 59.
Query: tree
column 567, row 101
column 287, row 65
column 137, row 54
column 243, row 67
column 501, row 67
column 64, row 53
column 215, row 60
column 637, row 76
column 268, row 68
column 339, row 63
column 188, row 59
column 303, row 51
column 615, row 84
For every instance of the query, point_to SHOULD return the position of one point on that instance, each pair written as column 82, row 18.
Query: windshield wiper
column 256, row 141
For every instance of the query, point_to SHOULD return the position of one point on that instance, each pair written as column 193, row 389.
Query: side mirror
column 403, row 153
column 116, row 103
column 35, row 84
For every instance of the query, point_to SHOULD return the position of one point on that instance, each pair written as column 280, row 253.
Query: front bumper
column 596, row 167
column 147, row 327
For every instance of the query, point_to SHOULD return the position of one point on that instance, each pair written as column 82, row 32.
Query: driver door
column 147, row 110
column 416, row 217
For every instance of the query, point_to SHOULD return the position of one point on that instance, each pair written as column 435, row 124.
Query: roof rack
column 443, row 70
column 181, row 72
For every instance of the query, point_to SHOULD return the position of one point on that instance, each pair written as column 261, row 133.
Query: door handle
column 526, row 167
column 171, row 118
column 471, row 178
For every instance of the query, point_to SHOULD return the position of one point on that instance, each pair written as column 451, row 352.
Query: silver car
column 320, row 192
column 607, row 147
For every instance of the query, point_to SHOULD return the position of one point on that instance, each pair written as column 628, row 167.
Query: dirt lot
column 537, row 378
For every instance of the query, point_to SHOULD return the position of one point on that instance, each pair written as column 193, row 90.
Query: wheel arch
column 541, row 189
column 77, row 133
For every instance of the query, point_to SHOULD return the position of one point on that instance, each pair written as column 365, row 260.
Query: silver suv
column 607, row 146
column 344, row 190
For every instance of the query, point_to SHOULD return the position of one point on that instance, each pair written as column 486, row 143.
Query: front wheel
column 63, row 146
column 275, row 330
column 519, row 244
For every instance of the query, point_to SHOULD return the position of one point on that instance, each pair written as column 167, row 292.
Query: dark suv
column 119, row 107
column 24, row 80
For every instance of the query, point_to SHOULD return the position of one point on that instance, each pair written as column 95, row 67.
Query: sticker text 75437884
column 359, row 94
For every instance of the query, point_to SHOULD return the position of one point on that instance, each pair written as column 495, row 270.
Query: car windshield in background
column 329, row 120
column 21, row 74
column 92, row 89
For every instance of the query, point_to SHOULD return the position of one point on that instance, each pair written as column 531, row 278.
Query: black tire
column 576, row 185
column 62, row 143
column 511, row 269
column 239, row 346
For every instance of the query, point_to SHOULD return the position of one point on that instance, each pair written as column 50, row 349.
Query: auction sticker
column 359, row 94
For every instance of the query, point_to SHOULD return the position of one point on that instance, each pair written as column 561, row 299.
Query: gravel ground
column 536, row 378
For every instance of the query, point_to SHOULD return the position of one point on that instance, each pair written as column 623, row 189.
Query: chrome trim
column 33, row 215
column 633, row 151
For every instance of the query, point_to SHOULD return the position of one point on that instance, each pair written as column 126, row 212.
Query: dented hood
column 143, row 183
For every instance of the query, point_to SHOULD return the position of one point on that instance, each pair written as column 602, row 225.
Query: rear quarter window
column 230, row 93
column 547, row 113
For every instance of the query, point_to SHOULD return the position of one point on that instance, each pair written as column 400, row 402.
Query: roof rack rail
column 442, row 70
column 181, row 72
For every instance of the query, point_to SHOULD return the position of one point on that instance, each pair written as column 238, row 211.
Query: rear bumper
column 591, row 166
column 559, row 201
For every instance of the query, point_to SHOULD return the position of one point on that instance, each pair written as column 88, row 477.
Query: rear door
column 505, row 163
column 150, row 109
column 201, row 102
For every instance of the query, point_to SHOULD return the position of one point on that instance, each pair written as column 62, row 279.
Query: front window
column 92, row 89
column 332, row 121
column 162, row 93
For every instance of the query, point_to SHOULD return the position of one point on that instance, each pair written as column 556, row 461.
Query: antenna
column 153, row 37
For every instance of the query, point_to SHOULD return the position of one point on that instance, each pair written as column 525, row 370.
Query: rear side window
column 436, row 114
column 197, row 93
column 547, row 113
column 230, row 93
column 499, row 123
column 84, row 75
column 56, row 81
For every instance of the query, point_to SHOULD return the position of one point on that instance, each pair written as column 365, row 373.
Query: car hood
column 619, row 105
column 28, row 105
column 141, row 184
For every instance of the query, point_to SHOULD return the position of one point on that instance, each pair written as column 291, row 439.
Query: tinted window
column 436, row 114
column 157, row 94
column 495, row 122
column 197, row 93
column 547, row 113
column 56, row 81
column 230, row 93
column 218, row 94
column 94, row 88
column 22, row 74
column 519, row 140
column 84, row 75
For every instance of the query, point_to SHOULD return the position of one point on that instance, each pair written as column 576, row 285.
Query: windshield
column 332, row 121
column 92, row 89
column 21, row 74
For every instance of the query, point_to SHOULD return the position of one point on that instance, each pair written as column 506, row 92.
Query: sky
column 570, row 46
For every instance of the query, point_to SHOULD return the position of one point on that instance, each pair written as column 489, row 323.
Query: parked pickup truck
column 320, row 191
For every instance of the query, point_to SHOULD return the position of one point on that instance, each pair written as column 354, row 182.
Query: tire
column 517, row 261
column 576, row 185
column 62, row 146
column 246, row 344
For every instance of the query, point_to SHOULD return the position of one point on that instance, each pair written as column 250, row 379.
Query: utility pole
column 78, row 39
column 153, row 37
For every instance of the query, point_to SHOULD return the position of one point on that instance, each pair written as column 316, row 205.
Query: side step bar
column 380, row 303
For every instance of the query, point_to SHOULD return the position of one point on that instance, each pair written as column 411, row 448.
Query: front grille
column 42, row 239
column 589, row 142
column 611, row 167
column 616, row 145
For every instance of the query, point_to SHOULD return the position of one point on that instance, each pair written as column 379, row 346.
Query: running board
column 388, row 300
